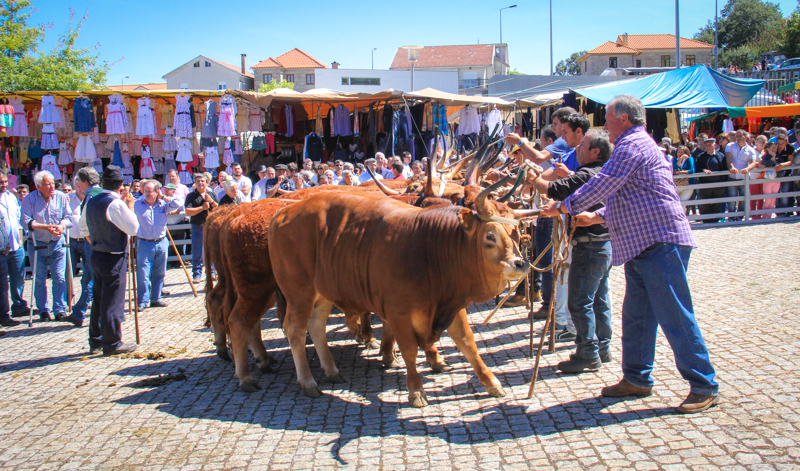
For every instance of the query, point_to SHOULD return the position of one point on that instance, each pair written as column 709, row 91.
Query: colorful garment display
column 226, row 123
column 184, row 151
column 145, row 126
column 183, row 118
column 48, row 112
column 83, row 115
column 117, row 119
column 20, row 127
column 211, row 117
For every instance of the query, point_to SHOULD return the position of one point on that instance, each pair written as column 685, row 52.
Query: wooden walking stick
column 135, row 299
column 188, row 278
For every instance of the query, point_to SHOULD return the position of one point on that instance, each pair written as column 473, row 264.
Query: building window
column 222, row 86
column 665, row 61
column 208, row 64
column 612, row 62
column 638, row 64
column 290, row 78
column 586, row 66
column 197, row 64
column 690, row 61
column 184, row 86
column 345, row 80
column 365, row 81
column 310, row 79
column 267, row 78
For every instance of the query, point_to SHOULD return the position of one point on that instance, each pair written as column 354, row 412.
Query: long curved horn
column 442, row 185
column 386, row 190
column 440, row 164
column 520, row 179
column 480, row 200
column 458, row 166
column 526, row 213
column 458, row 162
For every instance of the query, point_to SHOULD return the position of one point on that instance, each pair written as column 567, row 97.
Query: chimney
column 334, row 65
column 244, row 64
column 625, row 39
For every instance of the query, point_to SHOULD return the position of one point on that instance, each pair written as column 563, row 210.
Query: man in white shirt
column 15, row 260
column 384, row 167
column 86, row 183
column 259, row 189
column 107, row 221
column 241, row 180
column 738, row 155
column 407, row 172
column 371, row 164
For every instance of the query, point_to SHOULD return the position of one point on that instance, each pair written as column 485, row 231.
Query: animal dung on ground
column 159, row 380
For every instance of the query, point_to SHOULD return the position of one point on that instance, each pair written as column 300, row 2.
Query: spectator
column 371, row 164
column 15, row 258
column 338, row 167
column 107, row 220
column 707, row 162
column 66, row 188
column 22, row 191
column 397, row 171
column 181, row 190
column 651, row 236
column 318, row 170
column 407, row 172
column 722, row 142
column 360, row 169
column 5, row 250
column 384, row 168
column 347, row 179
column 281, row 184
column 241, row 180
column 738, row 156
column 785, row 157
column 299, row 181
column 292, row 168
column 683, row 164
column 46, row 213
column 87, row 186
column 792, row 134
column 135, row 190
column 308, row 164
column 264, row 174
column 217, row 187
column 198, row 204
column 769, row 163
column 416, row 169
column 152, row 245
column 701, row 146
column 232, row 194
column 330, row 178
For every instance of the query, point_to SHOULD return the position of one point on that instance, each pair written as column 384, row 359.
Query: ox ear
column 468, row 219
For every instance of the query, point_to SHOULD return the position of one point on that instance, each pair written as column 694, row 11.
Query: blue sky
column 147, row 39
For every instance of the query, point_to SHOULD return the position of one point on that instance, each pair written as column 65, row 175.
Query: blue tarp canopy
column 689, row 87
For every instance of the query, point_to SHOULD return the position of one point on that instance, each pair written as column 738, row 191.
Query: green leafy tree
column 272, row 85
column 515, row 72
column 791, row 45
column 570, row 66
column 23, row 66
column 744, row 20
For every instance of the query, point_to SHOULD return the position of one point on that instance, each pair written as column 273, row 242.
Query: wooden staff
column 180, row 259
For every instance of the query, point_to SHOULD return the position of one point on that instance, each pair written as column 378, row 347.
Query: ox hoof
column 496, row 391
column 372, row 345
column 266, row 368
column 224, row 355
column 336, row 378
column 249, row 386
column 312, row 391
column 441, row 367
column 418, row 399
column 391, row 363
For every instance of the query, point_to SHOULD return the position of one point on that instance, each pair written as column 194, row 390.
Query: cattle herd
column 416, row 254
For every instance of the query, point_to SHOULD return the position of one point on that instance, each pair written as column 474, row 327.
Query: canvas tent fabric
column 689, row 87
column 774, row 111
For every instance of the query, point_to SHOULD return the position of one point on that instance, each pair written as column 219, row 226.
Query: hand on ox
column 587, row 218
column 562, row 170
column 550, row 209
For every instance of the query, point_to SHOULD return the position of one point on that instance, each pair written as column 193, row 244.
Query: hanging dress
column 211, row 159
column 226, row 124
column 61, row 104
column 185, row 174
column 169, row 162
column 184, row 151
column 227, row 154
column 170, row 144
column 49, row 113
column 49, row 164
column 167, row 115
column 146, row 168
column 83, row 114
column 210, row 122
column 49, row 139
column 20, row 127
column 256, row 120
column 116, row 121
column 127, row 169
column 183, row 118
column 64, row 155
column 144, row 118
column 84, row 149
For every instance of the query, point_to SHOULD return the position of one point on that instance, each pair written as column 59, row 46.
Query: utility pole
column 677, row 37
column 716, row 35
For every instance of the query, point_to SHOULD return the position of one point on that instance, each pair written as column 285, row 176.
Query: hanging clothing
column 167, row 115
column 49, row 139
column 20, row 127
column 289, row 121
column 169, row 163
column 226, row 124
column 256, row 119
column 211, row 160
column 184, row 150
column 183, row 116
column 117, row 158
column 146, row 168
column 227, row 154
column 49, row 164
column 170, row 144
column 144, row 118
column 64, row 155
column 342, row 122
column 469, row 122
column 210, row 122
column 83, row 114
column 318, row 122
column 313, row 148
column 494, row 118
column 117, row 120
column 49, row 113
column 185, row 174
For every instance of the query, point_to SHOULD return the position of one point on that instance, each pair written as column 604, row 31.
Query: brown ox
column 418, row 269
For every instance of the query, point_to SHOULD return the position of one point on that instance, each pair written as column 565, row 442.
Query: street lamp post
column 123, row 82
column 502, row 56
column 413, row 51
column 716, row 37
column 551, row 37
column 373, row 57
column 677, row 38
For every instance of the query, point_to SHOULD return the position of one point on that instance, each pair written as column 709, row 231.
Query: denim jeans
column 563, row 317
column 54, row 256
column 589, row 298
column 82, row 250
column 197, row 250
column 733, row 192
column 15, row 263
column 151, row 266
column 785, row 202
column 543, row 233
column 657, row 294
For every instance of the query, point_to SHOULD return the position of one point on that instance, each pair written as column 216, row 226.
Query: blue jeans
column 79, row 249
column 657, row 294
column 733, row 192
column 589, row 299
column 197, row 250
column 54, row 256
column 786, row 187
column 151, row 266
column 15, row 263
column 543, row 233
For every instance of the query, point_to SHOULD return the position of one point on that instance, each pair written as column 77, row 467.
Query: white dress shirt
column 118, row 213
column 9, row 207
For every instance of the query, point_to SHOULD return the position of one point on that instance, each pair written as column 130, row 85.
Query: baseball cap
column 170, row 186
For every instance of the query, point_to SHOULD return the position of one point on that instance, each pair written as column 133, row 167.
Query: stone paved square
column 64, row 409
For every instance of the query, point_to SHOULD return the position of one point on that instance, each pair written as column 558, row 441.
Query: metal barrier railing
column 747, row 215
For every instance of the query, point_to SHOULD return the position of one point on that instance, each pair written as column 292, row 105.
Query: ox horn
column 526, row 213
column 458, row 166
column 520, row 178
column 471, row 177
column 386, row 190
column 480, row 200
column 442, row 185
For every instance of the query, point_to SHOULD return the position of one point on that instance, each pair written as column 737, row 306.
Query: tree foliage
column 570, row 66
column 272, row 85
column 791, row 45
column 24, row 66
column 515, row 72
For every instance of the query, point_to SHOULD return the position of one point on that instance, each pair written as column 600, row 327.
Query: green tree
column 570, row 66
column 744, row 20
column 515, row 72
column 791, row 44
column 24, row 66
column 266, row 87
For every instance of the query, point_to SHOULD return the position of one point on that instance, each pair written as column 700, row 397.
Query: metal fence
column 747, row 214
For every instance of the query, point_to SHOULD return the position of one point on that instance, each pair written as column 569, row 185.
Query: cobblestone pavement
column 64, row 409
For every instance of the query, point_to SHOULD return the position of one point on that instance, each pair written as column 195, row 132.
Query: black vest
column 106, row 237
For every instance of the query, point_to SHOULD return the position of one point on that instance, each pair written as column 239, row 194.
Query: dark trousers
column 543, row 235
column 110, row 273
column 713, row 208
column 4, row 305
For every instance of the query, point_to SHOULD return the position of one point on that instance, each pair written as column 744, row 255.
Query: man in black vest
column 106, row 222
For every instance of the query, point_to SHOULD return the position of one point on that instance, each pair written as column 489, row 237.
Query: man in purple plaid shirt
column 651, row 236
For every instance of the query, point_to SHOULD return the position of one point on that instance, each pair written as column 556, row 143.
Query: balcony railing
column 469, row 84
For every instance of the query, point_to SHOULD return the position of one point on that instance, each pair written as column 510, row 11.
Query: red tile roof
column 447, row 56
column 613, row 48
column 661, row 41
column 134, row 86
column 294, row 59
column 234, row 68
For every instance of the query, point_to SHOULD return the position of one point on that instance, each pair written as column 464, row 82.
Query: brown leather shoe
column 542, row 312
column 695, row 403
column 537, row 296
column 624, row 388
column 515, row 301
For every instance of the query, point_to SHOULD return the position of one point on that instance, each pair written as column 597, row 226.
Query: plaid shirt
column 642, row 206
column 440, row 117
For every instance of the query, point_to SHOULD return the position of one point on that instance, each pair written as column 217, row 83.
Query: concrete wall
column 597, row 63
column 446, row 81
column 300, row 77
column 207, row 78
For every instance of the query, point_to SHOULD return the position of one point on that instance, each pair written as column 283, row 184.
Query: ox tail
column 209, row 280
column 281, row 304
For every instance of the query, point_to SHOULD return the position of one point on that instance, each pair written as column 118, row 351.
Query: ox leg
column 461, row 333
column 388, row 358
column 295, row 324
column 240, row 338
column 263, row 360
column 409, row 346
column 366, row 333
column 435, row 360
column 214, row 308
column 317, row 329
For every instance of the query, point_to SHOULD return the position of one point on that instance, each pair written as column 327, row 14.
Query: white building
column 370, row 81
column 205, row 73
